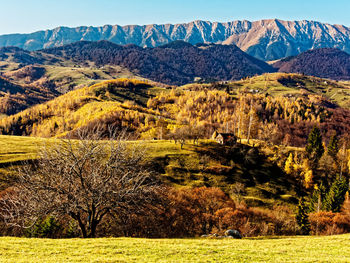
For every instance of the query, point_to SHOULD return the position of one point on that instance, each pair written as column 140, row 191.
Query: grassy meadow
column 184, row 167
column 282, row 249
column 20, row 148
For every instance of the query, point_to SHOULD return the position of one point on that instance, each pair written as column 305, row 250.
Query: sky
column 25, row 16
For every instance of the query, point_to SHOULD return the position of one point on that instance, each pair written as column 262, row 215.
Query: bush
column 257, row 221
column 329, row 223
column 47, row 228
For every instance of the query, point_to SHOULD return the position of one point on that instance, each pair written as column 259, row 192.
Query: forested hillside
column 277, row 107
column 175, row 63
column 325, row 63
column 119, row 102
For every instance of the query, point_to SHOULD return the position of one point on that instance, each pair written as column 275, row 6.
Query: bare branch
column 85, row 179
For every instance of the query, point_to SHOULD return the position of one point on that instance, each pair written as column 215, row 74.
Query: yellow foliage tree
column 288, row 168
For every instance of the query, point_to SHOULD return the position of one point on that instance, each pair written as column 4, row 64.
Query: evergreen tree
column 302, row 218
column 333, row 147
column 314, row 148
column 336, row 196
column 317, row 198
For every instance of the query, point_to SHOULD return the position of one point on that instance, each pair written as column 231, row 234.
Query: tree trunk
column 93, row 229
column 82, row 227
column 80, row 223
column 250, row 124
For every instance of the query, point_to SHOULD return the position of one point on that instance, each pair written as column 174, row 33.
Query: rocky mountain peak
column 267, row 39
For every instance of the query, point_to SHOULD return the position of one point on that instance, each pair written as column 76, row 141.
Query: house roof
column 225, row 135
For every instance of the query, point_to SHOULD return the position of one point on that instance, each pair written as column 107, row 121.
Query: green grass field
column 20, row 148
column 182, row 167
column 284, row 249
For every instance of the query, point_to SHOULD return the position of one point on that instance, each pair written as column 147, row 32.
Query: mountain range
column 265, row 39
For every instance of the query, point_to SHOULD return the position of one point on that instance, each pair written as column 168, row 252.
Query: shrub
column 257, row 221
column 329, row 223
column 46, row 228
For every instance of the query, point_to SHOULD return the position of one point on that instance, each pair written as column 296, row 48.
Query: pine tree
column 333, row 147
column 302, row 218
column 314, row 148
column 317, row 198
column 336, row 196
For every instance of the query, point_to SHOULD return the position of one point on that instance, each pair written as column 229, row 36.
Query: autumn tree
column 238, row 191
column 344, row 159
column 288, row 167
column 181, row 134
column 83, row 179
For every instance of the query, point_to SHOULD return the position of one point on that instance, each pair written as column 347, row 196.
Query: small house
column 224, row 138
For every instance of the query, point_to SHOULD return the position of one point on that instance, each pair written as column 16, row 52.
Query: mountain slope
column 265, row 39
column 174, row 63
column 325, row 63
column 14, row 97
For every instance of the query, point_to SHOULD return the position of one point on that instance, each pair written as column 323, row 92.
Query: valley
column 176, row 139
column 174, row 131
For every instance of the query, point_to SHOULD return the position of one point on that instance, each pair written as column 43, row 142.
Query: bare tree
column 238, row 190
column 182, row 134
column 85, row 179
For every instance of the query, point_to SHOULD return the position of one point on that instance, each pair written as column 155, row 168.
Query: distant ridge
column 324, row 62
column 175, row 63
column 265, row 39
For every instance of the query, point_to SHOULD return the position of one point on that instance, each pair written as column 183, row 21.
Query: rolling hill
column 15, row 97
column 289, row 104
column 269, row 39
column 325, row 63
column 292, row 102
column 265, row 182
column 28, row 78
column 120, row 102
column 296, row 85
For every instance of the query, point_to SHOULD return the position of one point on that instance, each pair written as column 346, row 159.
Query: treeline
column 322, row 171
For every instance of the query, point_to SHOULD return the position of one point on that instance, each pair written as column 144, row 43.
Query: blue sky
column 21, row 16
